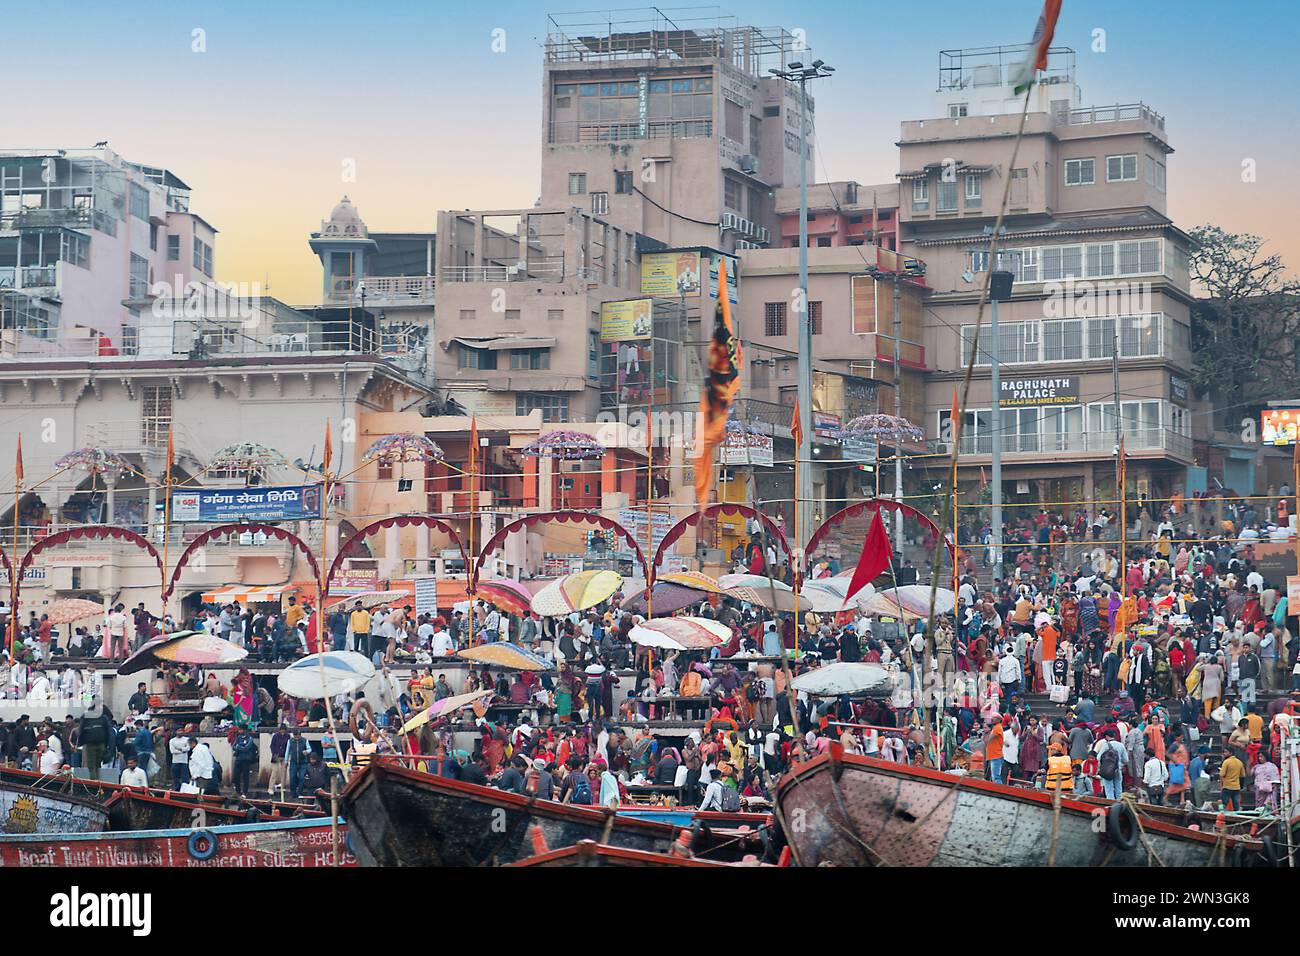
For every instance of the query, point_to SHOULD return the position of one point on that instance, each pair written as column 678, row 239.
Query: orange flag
column 329, row 447
column 956, row 418
column 473, row 441
column 18, row 462
column 796, row 424
column 171, row 452
column 720, row 389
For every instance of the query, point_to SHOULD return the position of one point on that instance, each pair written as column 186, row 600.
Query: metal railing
column 550, row 271
column 384, row 290
column 578, row 131
column 1135, row 439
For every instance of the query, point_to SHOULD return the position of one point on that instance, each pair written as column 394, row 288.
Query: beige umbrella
column 67, row 610
column 769, row 598
column 369, row 599
column 444, row 706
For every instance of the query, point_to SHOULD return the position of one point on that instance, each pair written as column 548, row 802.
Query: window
column 530, row 359
column 774, row 318
column 139, row 201
column 577, row 184
column 731, row 194
column 1019, row 187
column 593, row 354
column 468, row 315
column 958, row 110
column 920, row 194
column 1080, row 172
column 945, row 199
column 139, row 283
column 974, row 188
column 824, row 242
column 156, row 415
column 74, row 249
column 202, row 256
column 815, row 317
column 512, row 315
column 173, row 248
column 599, row 204
column 1155, row 172
column 770, row 111
column 623, row 182
column 471, row 357
column 153, row 236
column 554, row 315
column 1122, row 169
column 979, row 260
column 554, row 408
column 1063, row 341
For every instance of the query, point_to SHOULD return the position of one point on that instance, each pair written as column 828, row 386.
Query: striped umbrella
column 681, row 633
column 507, row 655
column 668, row 598
column 691, row 579
column 782, row 600
column 728, row 581
column 576, row 592
column 183, row 647
column 445, row 706
column 67, row 610
column 510, row 596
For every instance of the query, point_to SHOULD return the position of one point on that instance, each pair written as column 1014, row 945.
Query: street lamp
column 796, row 72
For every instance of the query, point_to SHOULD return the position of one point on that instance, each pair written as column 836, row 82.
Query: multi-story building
column 841, row 214
column 88, row 241
column 1097, row 266
column 671, row 127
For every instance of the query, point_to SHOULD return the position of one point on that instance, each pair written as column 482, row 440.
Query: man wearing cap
column 539, row 782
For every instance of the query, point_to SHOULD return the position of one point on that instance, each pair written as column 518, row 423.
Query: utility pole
column 898, row 411
column 999, row 291
column 797, row 72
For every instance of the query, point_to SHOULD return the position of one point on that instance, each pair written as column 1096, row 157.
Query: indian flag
column 1044, row 30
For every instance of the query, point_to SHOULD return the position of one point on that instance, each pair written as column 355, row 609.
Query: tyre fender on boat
column 1122, row 826
column 202, row 845
column 700, row 836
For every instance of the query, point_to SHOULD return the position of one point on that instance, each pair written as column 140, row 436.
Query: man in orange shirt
column 993, row 752
column 1048, row 634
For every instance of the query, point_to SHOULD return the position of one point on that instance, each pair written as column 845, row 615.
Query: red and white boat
column 295, row 843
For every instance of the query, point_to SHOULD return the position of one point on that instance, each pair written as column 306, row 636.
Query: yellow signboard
column 670, row 274
column 625, row 321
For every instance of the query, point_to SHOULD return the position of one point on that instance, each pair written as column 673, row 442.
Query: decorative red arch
column 92, row 531
column 9, row 566
column 223, row 530
column 877, row 504
column 561, row 517
column 398, row 521
column 728, row 509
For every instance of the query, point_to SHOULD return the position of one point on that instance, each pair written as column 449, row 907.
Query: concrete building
column 670, row 127
column 1096, row 260
column 88, row 241
column 841, row 214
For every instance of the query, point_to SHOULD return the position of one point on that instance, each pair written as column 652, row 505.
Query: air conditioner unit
column 762, row 235
column 749, row 164
column 744, row 226
column 729, row 220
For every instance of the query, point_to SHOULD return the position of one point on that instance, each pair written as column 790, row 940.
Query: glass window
column 974, row 185
column 173, row 248
column 658, row 86
column 774, row 318
column 587, row 89
column 139, row 281
column 577, row 184
column 920, row 194
column 627, row 89
column 139, row 201
column 564, row 89
column 681, row 86
column 471, row 357
column 1121, row 168
column 1080, row 172
column 1063, row 340
column 946, row 197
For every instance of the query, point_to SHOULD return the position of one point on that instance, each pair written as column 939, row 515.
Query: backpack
column 752, row 692
column 1109, row 763
column 581, row 790
column 730, row 799
column 1176, row 773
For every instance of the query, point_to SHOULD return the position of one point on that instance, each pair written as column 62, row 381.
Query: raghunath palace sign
column 1031, row 392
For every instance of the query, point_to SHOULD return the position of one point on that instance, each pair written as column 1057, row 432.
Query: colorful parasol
column 828, row 595
column 841, row 677
column 403, row 446
column 507, row 655
column 782, row 600
column 246, row 456
column 67, row 610
column 887, row 428
column 368, row 599
column 509, row 596
column 565, row 444
column 668, row 598
column 445, row 706
column 691, row 579
column 576, row 592
column 728, row 581
column 96, row 461
column 183, row 647
column 681, row 633
column 915, row 599
column 345, row 671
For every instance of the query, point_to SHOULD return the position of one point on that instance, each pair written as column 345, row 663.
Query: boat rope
column 1131, row 800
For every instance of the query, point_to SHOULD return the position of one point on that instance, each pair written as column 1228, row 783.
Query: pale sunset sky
column 261, row 124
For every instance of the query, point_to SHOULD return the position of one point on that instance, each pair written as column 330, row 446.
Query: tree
column 1244, row 329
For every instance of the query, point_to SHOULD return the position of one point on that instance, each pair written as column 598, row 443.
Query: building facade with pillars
column 1096, row 262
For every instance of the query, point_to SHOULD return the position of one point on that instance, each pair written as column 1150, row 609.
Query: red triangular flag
column 18, row 463
column 796, row 425
column 877, row 553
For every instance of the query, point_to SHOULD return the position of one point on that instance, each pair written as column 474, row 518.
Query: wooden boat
column 591, row 853
column 401, row 817
column 34, row 810
column 848, row 810
column 143, row 810
column 295, row 843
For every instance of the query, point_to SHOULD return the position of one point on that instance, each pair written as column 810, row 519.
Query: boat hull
column 400, row 817
column 849, row 810
column 35, row 810
column 290, row 843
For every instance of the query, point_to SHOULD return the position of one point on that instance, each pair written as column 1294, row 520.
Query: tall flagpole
column 167, row 522
column 15, row 569
column 321, row 582
column 796, row 548
column 1123, row 522
column 650, row 478
column 473, row 452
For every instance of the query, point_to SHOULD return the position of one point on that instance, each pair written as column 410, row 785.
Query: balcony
column 1089, row 115
column 384, row 291
column 1140, row 440
column 584, row 132
column 547, row 271
column 38, row 218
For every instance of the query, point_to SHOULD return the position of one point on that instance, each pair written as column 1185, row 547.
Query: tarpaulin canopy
column 183, row 647
column 507, row 655
column 248, row 593
column 681, row 633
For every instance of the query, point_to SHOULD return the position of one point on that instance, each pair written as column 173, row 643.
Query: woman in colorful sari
column 243, row 699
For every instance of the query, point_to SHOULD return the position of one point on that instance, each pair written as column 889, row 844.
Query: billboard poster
column 625, row 321
column 1039, row 392
column 826, row 425
column 743, row 446
column 672, row 275
column 229, row 505
column 1278, row 426
column 355, row 581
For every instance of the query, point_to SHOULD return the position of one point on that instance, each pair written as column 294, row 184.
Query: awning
column 929, row 168
column 497, row 343
column 248, row 594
